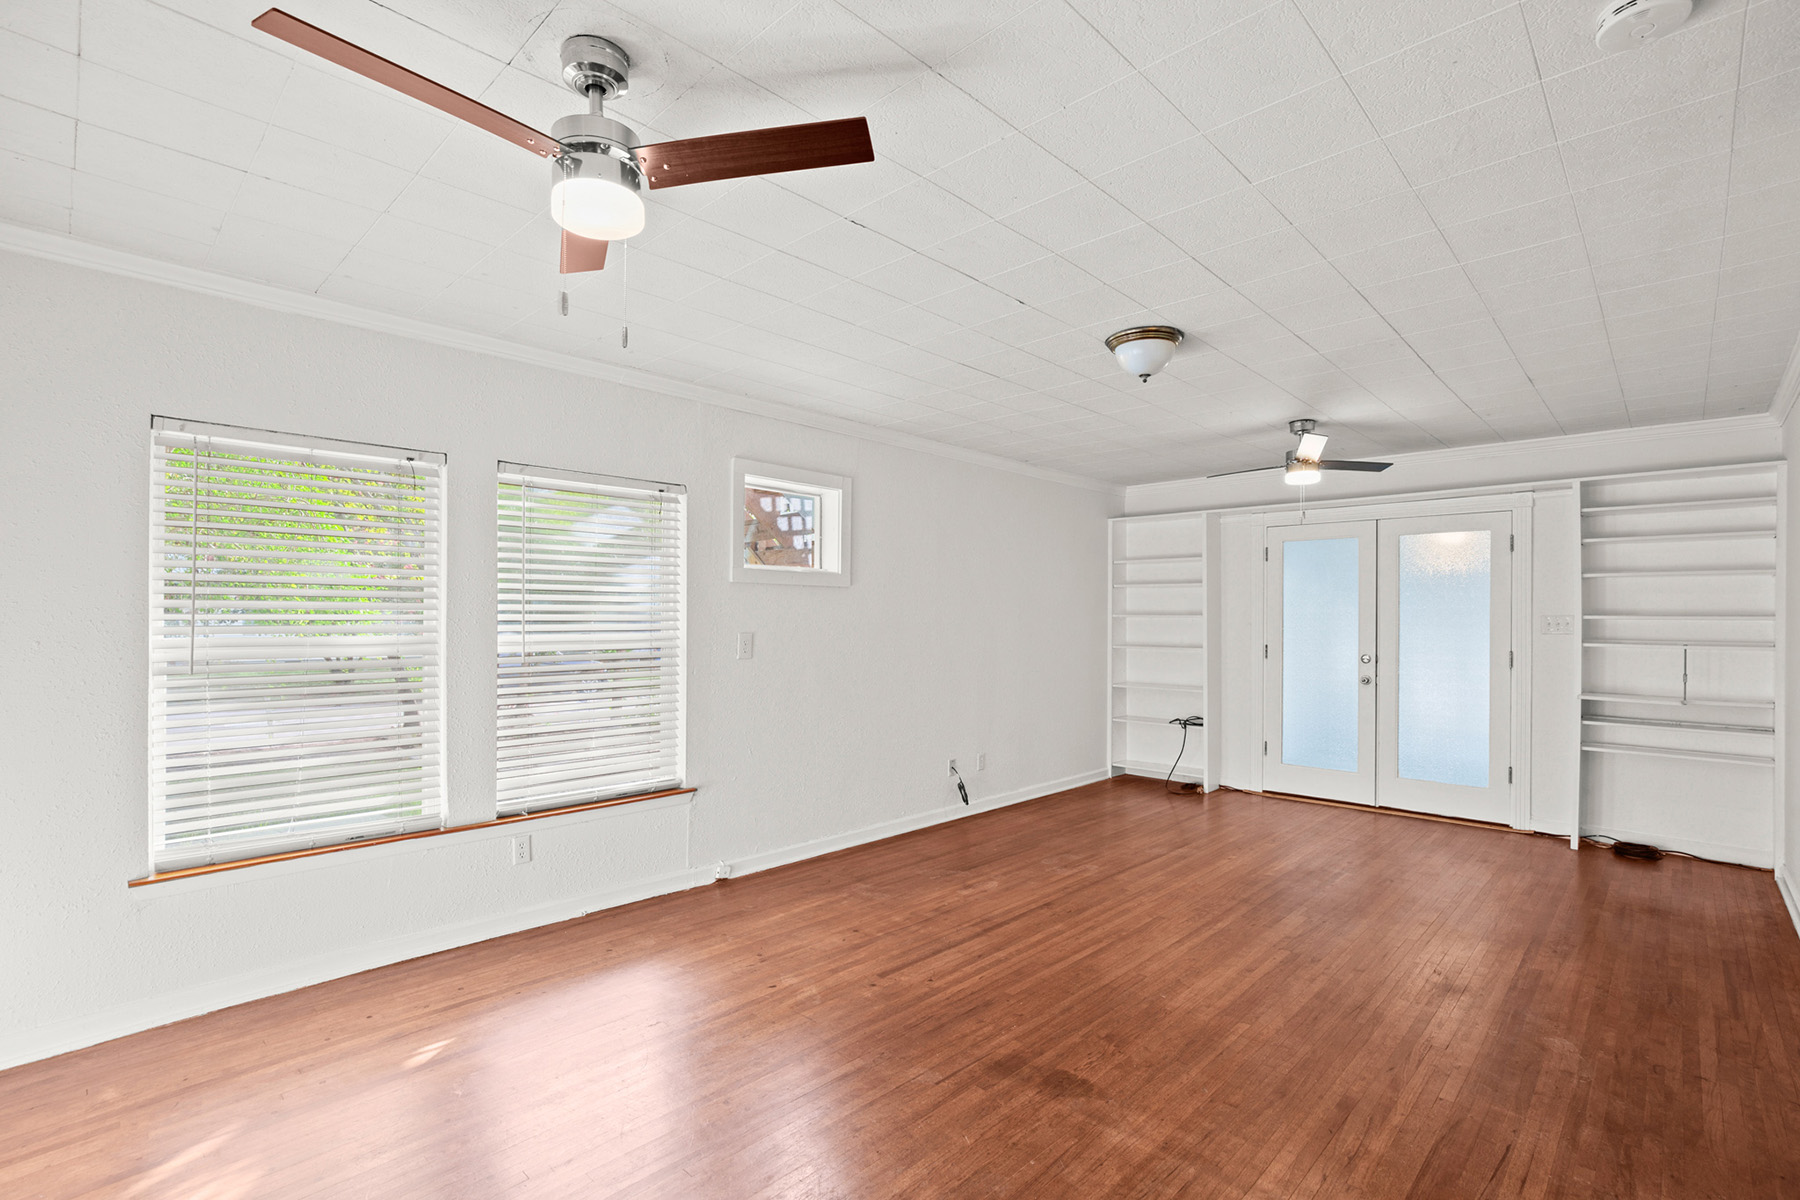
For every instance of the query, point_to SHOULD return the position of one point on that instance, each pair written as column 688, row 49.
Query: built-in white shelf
column 1162, row 687
column 1633, row 698
column 1661, row 546
column 1159, row 600
column 1705, row 726
column 1675, row 616
column 1708, row 535
column 1186, row 773
column 1680, row 506
column 1697, row 643
column 1680, row 572
column 1693, row 755
column 1160, row 558
column 1165, row 583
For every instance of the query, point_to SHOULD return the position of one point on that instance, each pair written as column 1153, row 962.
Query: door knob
column 1366, row 680
column 1368, row 658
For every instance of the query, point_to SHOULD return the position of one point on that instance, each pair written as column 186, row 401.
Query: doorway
column 1387, row 673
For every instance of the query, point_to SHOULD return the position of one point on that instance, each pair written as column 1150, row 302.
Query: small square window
column 791, row 526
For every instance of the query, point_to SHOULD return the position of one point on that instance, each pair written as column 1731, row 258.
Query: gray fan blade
column 1246, row 471
column 1344, row 464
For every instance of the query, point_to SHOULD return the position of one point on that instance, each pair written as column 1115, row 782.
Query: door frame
column 1519, row 504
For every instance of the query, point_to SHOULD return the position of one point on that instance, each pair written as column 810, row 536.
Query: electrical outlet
column 721, row 870
column 521, row 849
column 1557, row 625
column 746, row 645
column 981, row 762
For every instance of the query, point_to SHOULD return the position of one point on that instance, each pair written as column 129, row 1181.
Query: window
column 792, row 527
column 295, row 695
column 590, row 637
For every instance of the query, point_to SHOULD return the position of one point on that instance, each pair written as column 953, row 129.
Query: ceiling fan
column 1304, row 464
column 597, row 165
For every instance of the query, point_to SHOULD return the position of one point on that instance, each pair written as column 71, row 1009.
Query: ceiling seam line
column 1725, row 223
column 1562, row 163
column 1206, row 136
column 1413, row 189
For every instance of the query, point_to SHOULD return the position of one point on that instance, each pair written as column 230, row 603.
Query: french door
column 1388, row 677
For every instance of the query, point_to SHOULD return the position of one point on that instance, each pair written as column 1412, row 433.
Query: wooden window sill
column 314, row 851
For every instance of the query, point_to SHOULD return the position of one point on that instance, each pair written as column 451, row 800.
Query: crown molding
column 1486, row 451
column 58, row 247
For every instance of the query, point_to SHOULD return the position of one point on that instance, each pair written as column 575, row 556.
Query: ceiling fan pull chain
column 625, row 295
column 565, row 304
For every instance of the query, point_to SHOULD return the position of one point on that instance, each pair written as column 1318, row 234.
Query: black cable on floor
column 1186, row 789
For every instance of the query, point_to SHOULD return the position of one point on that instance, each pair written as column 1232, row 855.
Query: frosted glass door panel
column 1318, row 693
column 1320, row 632
column 1443, row 723
column 1443, row 672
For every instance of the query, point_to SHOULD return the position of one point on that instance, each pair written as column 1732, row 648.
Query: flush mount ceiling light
column 597, row 166
column 1145, row 350
column 1626, row 24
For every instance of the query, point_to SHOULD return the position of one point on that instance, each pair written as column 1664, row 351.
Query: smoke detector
column 1145, row 350
column 1631, row 23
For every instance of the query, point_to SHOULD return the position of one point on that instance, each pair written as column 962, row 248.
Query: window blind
column 590, row 637
column 295, row 694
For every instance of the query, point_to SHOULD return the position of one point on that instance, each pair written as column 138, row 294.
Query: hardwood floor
column 1109, row 992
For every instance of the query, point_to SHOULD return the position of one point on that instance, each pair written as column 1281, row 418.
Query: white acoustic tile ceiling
column 1424, row 222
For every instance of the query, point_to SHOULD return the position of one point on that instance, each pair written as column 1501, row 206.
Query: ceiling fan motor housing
column 594, row 64
column 599, row 148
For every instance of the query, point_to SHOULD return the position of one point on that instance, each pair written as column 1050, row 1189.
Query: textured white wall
column 972, row 626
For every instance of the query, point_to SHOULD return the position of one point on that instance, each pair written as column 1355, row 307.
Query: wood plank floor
column 1109, row 992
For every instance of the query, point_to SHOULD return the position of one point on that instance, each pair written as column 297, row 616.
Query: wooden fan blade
column 1345, row 464
column 352, row 57
column 581, row 254
column 757, row 152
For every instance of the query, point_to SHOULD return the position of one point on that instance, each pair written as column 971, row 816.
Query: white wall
column 1554, row 663
column 970, row 627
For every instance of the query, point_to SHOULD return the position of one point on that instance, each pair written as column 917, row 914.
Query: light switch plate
column 1557, row 625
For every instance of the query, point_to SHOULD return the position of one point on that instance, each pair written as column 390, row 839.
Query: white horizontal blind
column 295, row 695
column 590, row 637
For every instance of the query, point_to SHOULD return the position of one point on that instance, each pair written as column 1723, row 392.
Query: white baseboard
column 1787, row 897
column 60, row 1037
column 900, row 825
column 1715, row 850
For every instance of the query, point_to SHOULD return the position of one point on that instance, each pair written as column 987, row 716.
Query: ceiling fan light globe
column 1301, row 473
column 597, row 208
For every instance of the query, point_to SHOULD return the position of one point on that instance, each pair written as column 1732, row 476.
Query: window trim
column 834, row 524
column 238, row 864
